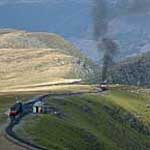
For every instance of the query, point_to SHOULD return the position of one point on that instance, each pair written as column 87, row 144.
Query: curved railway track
column 13, row 137
column 27, row 107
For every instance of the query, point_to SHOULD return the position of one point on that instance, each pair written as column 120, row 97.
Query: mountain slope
column 118, row 120
column 10, row 38
column 134, row 71
column 17, row 39
column 36, row 58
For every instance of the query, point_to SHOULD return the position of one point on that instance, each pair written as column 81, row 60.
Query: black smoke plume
column 105, row 44
column 139, row 6
column 110, row 48
column 99, row 18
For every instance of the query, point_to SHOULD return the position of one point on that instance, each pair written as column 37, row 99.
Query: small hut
column 38, row 107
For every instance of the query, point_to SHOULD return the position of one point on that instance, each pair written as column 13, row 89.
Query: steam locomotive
column 104, row 86
column 15, row 111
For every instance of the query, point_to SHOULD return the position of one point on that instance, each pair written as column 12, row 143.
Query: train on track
column 104, row 86
column 16, row 110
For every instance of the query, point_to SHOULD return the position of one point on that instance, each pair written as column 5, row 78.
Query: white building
column 38, row 107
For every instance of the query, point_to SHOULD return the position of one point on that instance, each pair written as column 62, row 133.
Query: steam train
column 104, row 86
column 15, row 111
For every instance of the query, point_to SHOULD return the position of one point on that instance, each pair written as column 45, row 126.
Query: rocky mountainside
column 133, row 71
column 36, row 58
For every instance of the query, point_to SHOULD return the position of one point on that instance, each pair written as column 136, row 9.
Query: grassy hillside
column 36, row 58
column 17, row 39
column 6, row 101
column 134, row 71
column 117, row 120
column 37, row 66
column 22, row 39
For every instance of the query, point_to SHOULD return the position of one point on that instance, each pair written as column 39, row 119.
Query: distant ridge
column 132, row 71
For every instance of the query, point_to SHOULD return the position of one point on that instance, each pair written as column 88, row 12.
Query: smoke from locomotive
column 105, row 44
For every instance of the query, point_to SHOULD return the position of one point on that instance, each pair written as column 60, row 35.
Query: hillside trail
column 6, row 144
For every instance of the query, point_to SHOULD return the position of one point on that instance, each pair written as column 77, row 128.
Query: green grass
column 6, row 101
column 92, row 122
column 64, row 135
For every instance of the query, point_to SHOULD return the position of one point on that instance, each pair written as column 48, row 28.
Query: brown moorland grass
column 20, row 67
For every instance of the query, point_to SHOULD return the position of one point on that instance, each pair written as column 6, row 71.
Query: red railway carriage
column 15, row 110
column 13, row 113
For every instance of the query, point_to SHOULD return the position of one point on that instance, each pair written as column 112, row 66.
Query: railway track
column 13, row 137
column 27, row 107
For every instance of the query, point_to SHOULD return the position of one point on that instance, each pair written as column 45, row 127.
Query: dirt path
column 27, row 109
column 7, row 145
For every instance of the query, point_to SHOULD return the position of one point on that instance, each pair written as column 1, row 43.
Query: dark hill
column 133, row 71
